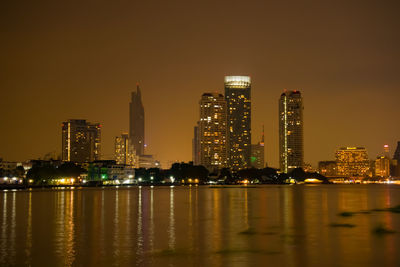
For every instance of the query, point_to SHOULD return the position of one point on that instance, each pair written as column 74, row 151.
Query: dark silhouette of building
column 238, row 100
column 196, row 145
column 396, row 155
column 257, row 153
column 136, row 121
column 291, row 145
column 80, row 141
column 327, row 168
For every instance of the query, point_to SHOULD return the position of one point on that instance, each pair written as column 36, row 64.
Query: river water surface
column 200, row 226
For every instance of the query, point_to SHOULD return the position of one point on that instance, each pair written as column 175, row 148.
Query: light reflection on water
column 199, row 226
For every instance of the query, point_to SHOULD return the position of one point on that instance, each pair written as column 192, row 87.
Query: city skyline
column 348, row 72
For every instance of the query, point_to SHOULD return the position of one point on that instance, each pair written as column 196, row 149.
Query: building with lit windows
column 136, row 121
column 238, row 101
column 291, row 145
column 125, row 152
column 352, row 162
column 257, row 154
column 382, row 167
column 327, row 168
column 109, row 172
column 212, row 131
column 80, row 141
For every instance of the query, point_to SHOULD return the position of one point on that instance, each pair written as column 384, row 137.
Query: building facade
column 148, row 161
column 238, row 101
column 125, row 152
column 80, row 141
column 382, row 167
column 136, row 121
column 212, row 131
column 327, row 168
column 291, row 144
column 257, row 154
column 352, row 162
column 109, row 172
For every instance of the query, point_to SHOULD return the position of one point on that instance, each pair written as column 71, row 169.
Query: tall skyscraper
column 352, row 162
column 125, row 152
column 80, row 141
column 136, row 121
column 257, row 153
column 291, row 145
column 238, row 100
column 212, row 131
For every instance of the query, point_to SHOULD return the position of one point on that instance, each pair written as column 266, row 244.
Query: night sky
column 69, row 59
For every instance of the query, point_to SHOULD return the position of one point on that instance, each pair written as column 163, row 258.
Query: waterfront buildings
column 327, row 168
column 80, row 141
column 136, row 121
column 382, row 167
column 257, row 153
column 124, row 151
column 211, row 144
column 238, row 101
column 109, row 172
column 352, row 162
column 291, row 145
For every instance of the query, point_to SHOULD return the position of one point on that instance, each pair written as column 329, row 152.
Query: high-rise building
column 382, row 167
column 212, row 131
column 80, row 141
column 291, row 145
column 238, row 101
column 136, row 121
column 352, row 162
column 257, row 153
column 124, row 151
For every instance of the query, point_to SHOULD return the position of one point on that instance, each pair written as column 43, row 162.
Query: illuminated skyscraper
column 80, row 141
column 212, row 131
column 257, row 153
column 125, row 152
column 238, row 100
column 352, row 162
column 136, row 121
column 291, row 145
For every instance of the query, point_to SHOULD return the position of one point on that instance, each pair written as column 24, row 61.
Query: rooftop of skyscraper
column 239, row 81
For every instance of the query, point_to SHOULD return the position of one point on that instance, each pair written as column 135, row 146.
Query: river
column 271, row 225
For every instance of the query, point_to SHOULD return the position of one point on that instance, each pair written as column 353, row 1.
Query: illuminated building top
column 237, row 81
